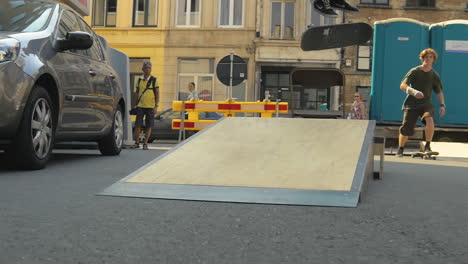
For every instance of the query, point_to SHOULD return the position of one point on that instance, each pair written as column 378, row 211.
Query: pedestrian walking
column 147, row 92
column 358, row 109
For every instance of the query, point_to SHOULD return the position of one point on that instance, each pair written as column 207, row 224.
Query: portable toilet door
column 450, row 40
column 397, row 44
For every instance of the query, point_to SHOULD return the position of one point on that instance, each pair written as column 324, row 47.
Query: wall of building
column 277, row 53
column 269, row 49
column 166, row 43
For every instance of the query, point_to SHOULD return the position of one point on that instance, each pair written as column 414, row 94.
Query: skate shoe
column 324, row 8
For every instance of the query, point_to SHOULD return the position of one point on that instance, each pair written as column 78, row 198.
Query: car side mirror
column 75, row 40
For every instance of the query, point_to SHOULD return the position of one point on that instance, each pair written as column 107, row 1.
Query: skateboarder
column 325, row 7
column 419, row 83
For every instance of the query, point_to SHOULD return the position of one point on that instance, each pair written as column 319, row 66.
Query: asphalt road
column 417, row 214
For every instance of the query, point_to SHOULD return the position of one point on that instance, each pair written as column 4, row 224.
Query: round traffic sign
column 239, row 70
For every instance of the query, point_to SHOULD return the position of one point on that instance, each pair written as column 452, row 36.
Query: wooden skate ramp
column 262, row 160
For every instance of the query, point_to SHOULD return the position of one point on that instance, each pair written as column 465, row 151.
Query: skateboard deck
column 336, row 36
column 425, row 155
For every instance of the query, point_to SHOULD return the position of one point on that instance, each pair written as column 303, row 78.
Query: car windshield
column 24, row 16
column 170, row 114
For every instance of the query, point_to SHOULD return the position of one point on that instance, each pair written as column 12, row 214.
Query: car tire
column 111, row 144
column 189, row 133
column 32, row 146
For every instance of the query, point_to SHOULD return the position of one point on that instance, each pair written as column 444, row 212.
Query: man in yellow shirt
column 147, row 92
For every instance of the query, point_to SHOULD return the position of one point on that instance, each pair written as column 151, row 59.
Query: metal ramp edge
column 363, row 173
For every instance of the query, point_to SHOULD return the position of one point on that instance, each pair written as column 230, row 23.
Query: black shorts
column 410, row 117
column 148, row 113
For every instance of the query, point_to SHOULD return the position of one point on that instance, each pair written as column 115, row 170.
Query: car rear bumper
column 15, row 87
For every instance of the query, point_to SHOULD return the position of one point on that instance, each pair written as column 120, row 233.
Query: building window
column 275, row 84
column 374, row 2
column 282, row 20
column 199, row 71
column 311, row 98
column 316, row 19
column 231, row 13
column 188, row 13
column 364, row 91
column 364, row 58
column 420, row 3
column 145, row 13
column 104, row 13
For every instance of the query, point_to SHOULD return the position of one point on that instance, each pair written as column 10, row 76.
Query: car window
column 95, row 51
column 68, row 23
column 24, row 16
column 209, row 116
column 170, row 115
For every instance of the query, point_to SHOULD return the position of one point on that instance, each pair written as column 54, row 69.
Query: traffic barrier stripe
column 187, row 124
column 272, row 107
column 229, row 107
column 246, row 107
column 191, row 125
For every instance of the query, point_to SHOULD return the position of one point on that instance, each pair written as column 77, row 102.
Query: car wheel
column 111, row 144
column 32, row 146
column 190, row 133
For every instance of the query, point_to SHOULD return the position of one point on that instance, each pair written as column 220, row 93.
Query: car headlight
column 9, row 49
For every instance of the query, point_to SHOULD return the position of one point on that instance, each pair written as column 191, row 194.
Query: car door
column 103, row 81
column 163, row 125
column 72, row 68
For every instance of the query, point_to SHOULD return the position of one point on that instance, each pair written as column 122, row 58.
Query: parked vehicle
column 56, row 84
column 162, row 128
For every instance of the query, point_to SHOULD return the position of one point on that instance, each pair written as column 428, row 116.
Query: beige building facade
column 184, row 40
column 306, row 80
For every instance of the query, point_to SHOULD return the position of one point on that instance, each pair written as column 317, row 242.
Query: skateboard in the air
column 336, row 36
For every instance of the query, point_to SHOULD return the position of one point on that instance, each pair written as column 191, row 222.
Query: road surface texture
column 417, row 214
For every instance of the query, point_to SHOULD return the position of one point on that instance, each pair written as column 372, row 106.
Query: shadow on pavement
column 82, row 156
column 58, row 157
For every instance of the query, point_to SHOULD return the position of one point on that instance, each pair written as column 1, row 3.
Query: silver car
column 56, row 84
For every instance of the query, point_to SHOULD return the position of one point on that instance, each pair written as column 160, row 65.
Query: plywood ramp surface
column 318, row 154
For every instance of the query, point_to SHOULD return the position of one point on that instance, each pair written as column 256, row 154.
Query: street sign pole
column 231, row 71
column 230, row 78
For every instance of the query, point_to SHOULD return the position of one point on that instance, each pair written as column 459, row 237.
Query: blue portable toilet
column 450, row 40
column 397, row 44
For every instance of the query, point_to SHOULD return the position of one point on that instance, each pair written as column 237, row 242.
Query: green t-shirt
column 426, row 82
